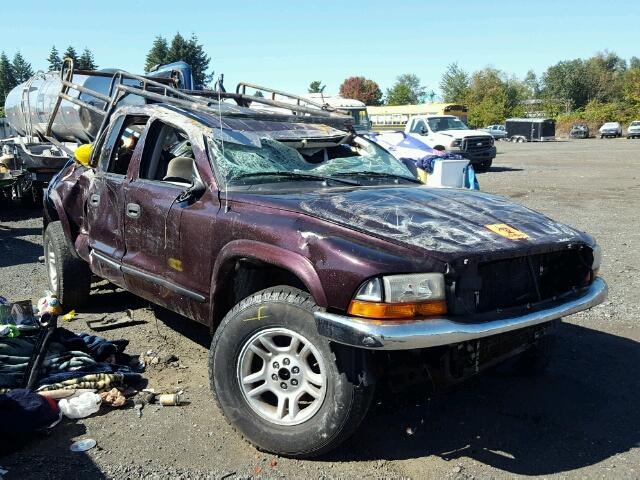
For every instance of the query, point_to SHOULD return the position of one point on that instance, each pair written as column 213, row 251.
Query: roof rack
column 164, row 90
column 288, row 97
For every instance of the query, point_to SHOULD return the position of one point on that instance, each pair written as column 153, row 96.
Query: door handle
column 133, row 210
column 94, row 199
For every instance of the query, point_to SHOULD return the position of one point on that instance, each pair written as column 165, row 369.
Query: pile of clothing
column 71, row 361
column 41, row 362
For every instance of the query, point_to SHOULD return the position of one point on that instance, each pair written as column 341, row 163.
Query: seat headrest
column 180, row 169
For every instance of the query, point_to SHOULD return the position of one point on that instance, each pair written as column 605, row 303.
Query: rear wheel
column 69, row 277
column 277, row 380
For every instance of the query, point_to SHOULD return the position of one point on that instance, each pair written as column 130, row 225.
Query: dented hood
column 446, row 221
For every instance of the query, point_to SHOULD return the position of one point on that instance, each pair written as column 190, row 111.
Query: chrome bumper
column 432, row 332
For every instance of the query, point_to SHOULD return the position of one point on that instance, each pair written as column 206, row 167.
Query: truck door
column 105, row 200
column 156, row 213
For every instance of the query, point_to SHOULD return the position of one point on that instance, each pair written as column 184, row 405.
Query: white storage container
column 448, row 173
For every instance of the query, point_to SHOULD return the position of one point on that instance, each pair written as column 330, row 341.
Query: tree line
column 405, row 91
column 604, row 87
column 597, row 89
column 601, row 88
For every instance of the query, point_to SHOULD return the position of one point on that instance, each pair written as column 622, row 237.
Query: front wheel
column 280, row 383
column 483, row 166
column 69, row 277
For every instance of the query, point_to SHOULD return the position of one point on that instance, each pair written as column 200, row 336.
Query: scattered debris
column 110, row 322
column 113, row 397
column 137, row 408
column 81, row 406
column 457, row 469
column 83, row 445
column 169, row 399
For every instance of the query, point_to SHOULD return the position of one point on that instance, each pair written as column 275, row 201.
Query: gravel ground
column 580, row 420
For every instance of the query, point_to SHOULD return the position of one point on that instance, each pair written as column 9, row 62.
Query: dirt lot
column 580, row 420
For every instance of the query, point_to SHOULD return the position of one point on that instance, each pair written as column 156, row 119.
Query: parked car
column 611, row 130
column 318, row 261
column 579, row 131
column 633, row 131
column 497, row 131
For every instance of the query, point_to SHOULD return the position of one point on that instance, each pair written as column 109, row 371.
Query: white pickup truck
column 451, row 134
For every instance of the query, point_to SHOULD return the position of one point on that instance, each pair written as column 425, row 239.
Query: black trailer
column 531, row 129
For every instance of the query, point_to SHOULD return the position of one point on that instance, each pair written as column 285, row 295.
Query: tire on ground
column 69, row 277
column 347, row 389
column 484, row 166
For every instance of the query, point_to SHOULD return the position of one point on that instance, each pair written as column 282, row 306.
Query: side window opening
column 167, row 156
column 418, row 126
column 121, row 151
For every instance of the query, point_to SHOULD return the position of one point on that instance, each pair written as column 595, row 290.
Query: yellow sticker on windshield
column 506, row 231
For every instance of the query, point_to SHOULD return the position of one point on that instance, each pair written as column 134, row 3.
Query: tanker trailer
column 49, row 127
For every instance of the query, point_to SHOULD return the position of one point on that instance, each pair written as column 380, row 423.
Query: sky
column 286, row 44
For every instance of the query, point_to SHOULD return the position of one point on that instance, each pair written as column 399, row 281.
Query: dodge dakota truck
column 315, row 258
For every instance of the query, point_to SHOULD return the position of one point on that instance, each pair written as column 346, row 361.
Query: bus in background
column 396, row 117
column 356, row 108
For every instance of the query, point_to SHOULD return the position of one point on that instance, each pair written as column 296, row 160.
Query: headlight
column 456, row 143
column 400, row 296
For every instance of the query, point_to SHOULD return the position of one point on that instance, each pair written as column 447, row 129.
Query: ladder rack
column 164, row 90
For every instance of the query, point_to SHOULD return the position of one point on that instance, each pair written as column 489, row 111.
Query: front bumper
column 478, row 156
column 433, row 332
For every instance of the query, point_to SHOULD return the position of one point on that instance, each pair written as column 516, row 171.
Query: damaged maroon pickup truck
column 317, row 260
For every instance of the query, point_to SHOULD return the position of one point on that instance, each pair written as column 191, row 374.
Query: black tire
column 72, row 281
column 535, row 360
column 483, row 166
column 348, row 389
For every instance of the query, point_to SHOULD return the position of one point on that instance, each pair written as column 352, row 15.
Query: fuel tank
column 29, row 106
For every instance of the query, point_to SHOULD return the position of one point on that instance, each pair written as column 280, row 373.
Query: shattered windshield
column 276, row 161
column 446, row 123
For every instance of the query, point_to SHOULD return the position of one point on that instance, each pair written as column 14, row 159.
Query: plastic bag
column 81, row 406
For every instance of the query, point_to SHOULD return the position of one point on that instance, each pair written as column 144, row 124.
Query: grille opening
column 518, row 281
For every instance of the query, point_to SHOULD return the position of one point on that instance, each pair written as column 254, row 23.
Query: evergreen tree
column 191, row 52
column 22, row 70
column 71, row 53
column 316, row 87
column 55, row 63
column 158, row 53
column 86, row 61
column 7, row 78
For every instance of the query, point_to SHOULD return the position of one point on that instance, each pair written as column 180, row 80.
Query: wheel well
column 247, row 277
column 50, row 214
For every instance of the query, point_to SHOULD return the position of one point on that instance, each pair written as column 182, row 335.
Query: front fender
column 54, row 201
column 273, row 255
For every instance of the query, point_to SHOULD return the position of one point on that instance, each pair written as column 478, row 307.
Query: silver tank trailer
column 28, row 107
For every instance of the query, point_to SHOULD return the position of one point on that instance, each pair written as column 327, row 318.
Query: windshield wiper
column 376, row 174
column 297, row 176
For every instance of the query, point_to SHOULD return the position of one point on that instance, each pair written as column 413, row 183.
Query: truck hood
column 437, row 220
column 458, row 134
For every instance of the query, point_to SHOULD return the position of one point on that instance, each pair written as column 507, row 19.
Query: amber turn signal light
column 389, row 311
